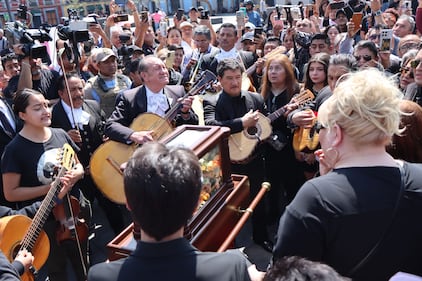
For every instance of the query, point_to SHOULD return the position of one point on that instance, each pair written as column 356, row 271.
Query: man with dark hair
column 227, row 37
column 240, row 110
column 162, row 187
column 33, row 75
column 297, row 268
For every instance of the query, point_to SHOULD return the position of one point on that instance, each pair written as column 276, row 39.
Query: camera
column 179, row 14
column 205, row 15
column 17, row 33
column 124, row 52
column 303, row 39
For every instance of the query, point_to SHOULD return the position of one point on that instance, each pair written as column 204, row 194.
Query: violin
column 70, row 228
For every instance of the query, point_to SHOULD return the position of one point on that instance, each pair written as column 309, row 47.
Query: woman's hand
column 327, row 159
column 25, row 258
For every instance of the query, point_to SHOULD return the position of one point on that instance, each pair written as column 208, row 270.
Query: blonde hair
column 366, row 105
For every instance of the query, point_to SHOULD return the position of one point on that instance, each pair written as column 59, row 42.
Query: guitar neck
column 42, row 214
column 276, row 114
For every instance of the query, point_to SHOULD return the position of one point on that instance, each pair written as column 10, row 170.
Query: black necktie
column 6, row 125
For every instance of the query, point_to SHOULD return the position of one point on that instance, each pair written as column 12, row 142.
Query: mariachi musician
column 227, row 38
column 154, row 97
column 202, row 38
column 84, row 121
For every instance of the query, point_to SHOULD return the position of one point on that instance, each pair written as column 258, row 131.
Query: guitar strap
column 377, row 245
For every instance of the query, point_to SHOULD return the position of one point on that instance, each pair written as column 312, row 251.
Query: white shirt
column 232, row 54
column 156, row 102
column 80, row 116
column 9, row 116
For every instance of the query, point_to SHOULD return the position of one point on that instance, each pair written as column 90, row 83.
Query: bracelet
column 25, row 63
column 377, row 13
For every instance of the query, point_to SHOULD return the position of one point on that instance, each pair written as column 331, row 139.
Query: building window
column 33, row 3
column 51, row 17
column 48, row 2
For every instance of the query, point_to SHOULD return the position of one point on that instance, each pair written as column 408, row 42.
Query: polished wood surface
column 209, row 228
column 12, row 230
column 106, row 160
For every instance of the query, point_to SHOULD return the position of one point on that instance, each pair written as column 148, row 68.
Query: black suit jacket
column 210, row 62
column 220, row 110
column 132, row 103
column 172, row 260
column 92, row 135
column 4, row 140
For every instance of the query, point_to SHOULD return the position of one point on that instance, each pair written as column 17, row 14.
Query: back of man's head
column 300, row 269
column 162, row 187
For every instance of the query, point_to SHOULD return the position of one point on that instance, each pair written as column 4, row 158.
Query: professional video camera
column 124, row 52
column 17, row 33
column 74, row 30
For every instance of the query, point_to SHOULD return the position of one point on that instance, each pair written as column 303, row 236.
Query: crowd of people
column 339, row 82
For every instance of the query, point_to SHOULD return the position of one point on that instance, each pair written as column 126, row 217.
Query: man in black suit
column 227, row 38
column 238, row 110
column 153, row 97
column 9, row 126
column 84, row 121
column 162, row 187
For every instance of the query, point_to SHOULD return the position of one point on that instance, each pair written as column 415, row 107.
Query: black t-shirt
column 47, row 85
column 35, row 162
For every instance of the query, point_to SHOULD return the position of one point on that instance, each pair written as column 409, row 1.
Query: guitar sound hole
column 252, row 131
column 15, row 250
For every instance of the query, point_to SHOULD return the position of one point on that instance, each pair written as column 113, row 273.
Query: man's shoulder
column 222, row 266
column 105, row 271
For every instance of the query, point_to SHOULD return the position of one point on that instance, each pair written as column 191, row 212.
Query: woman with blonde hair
column 365, row 206
column 278, row 88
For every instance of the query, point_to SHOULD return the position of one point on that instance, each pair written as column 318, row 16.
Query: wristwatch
column 377, row 13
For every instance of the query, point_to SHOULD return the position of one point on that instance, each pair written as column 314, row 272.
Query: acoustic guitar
column 35, row 240
column 243, row 144
column 107, row 158
column 306, row 139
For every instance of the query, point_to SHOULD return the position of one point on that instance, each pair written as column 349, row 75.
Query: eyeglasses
column 318, row 126
column 365, row 57
column 415, row 63
column 374, row 36
column 407, row 70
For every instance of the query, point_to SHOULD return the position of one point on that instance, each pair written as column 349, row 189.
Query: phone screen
column 170, row 59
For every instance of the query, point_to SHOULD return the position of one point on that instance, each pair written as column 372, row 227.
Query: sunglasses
column 415, row 63
column 374, row 36
column 407, row 70
column 318, row 126
column 365, row 57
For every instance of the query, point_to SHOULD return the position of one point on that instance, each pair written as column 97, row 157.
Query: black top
column 337, row 219
column 172, row 260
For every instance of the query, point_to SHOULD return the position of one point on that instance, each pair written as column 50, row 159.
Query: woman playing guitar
column 278, row 88
column 28, row 166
